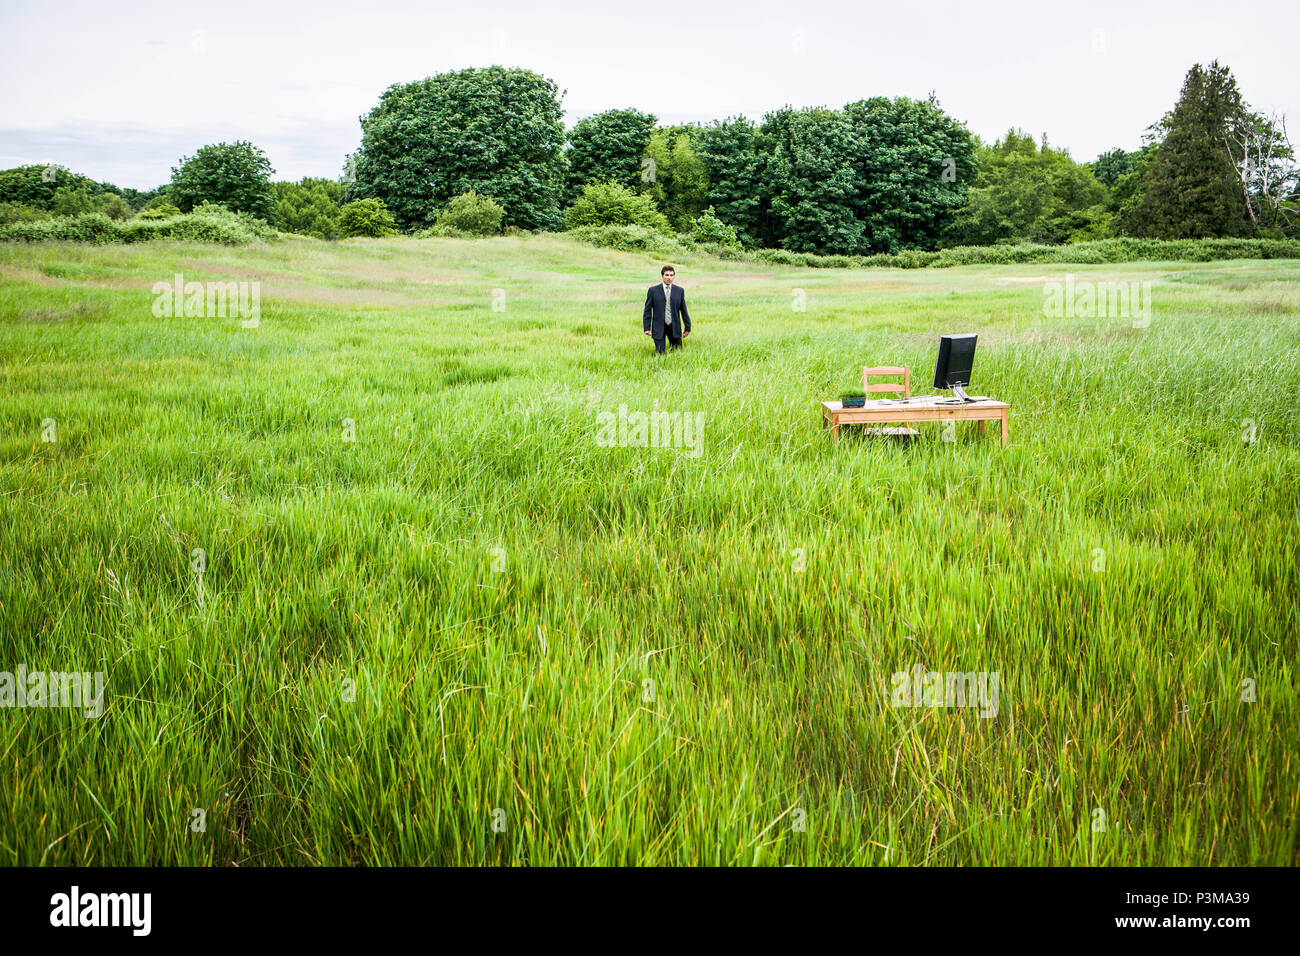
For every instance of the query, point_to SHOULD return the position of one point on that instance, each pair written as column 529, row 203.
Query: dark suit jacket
column 652, row 318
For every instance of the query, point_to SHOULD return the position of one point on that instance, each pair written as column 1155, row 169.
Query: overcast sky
column 121, row 90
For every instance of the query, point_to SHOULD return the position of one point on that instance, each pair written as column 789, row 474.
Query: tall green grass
column 635, row 656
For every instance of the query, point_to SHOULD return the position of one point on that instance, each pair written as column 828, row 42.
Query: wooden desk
column 925, row 408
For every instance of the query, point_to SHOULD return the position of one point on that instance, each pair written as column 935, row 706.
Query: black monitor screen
column 956, row 356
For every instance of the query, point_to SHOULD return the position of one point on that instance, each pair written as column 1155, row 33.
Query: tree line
column 479, row 151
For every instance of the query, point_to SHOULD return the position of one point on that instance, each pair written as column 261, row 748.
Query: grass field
column 478, row 634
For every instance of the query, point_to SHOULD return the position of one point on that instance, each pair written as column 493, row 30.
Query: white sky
column 120, row 90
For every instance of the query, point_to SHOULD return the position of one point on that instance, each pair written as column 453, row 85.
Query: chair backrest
column 869, row 371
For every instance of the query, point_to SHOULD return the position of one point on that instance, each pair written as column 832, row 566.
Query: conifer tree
column 1192, row 185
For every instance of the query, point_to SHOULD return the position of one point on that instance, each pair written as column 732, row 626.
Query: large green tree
column 38, row 187
column 496, row 131
column 878, row 176
column 72, row 201
column 680, row 183
column 1129, row 185
column 35, row 186
column 735, row 166
column 1192, row 187
column 916, row 164
column 236, row 175
column 609, row 147
column 813, row 175
column 1112, row 164
column 1024, row 192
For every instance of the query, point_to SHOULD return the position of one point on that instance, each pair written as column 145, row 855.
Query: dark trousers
column 675, row 342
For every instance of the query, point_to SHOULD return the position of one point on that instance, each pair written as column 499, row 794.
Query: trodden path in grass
column 370, row 582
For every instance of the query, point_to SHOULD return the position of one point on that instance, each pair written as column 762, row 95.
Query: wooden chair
column 876, row 371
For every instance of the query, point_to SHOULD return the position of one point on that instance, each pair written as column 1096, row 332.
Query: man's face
column 668, row 277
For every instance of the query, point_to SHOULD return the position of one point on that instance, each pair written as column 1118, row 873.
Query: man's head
column 667, row 274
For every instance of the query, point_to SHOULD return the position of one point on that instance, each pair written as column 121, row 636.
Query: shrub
column 158, row 209
column 1104, row 251
column 710, row 229
column 610, row 204
column 18, row 212
column 785, row 257
column 632, row 239
column 366, row 217
column 72, row 201
column 1125, row 249
column 90, row 227
column 310, row 207
column 115, row 207
column 213, row 223
column 208, row 223
column 914, row 259
column 469, row 214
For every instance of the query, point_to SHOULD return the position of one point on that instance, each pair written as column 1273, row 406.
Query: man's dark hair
column 668, row 269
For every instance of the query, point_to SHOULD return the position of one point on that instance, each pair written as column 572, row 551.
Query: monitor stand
column 961, row 393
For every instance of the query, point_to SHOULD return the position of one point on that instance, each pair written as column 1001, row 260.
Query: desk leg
column 1006, row 428
column 981, row 427
column 828, row 420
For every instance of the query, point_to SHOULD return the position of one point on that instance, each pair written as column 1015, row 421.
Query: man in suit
column 665, row 311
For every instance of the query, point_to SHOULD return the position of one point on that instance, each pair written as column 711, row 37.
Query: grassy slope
column 525, row 689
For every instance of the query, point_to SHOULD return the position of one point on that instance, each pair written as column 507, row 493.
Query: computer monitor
column 952, row 370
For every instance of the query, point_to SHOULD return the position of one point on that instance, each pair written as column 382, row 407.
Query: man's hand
column 686, row 333
column 647, row 331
